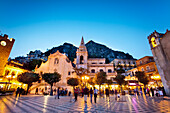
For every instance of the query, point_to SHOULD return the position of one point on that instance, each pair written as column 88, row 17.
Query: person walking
column 58, row 93
column 95, row 94
column 36, row 91
column 107, row 93
column 76, row 93
column 55, row 91
column 86, row 92
column 91, row 94
column 17, row 92
column 152, row 91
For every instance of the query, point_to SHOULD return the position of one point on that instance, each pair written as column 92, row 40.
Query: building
column 9, row 79
column 147, row 64
column 56, row 62
column 159, row 44
column 126, row 64
column 37, row 55
column 93, row 65
column 6, row 45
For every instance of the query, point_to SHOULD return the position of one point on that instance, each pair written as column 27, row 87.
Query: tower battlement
column 6, row 45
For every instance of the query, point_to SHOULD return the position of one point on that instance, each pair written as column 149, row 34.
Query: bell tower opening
column 81, row 59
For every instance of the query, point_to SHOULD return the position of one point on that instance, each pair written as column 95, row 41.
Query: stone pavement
column 47, row 104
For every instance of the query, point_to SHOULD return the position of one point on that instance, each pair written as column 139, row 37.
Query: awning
column 5, row 83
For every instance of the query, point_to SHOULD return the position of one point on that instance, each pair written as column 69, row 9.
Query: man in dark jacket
column 86, row 92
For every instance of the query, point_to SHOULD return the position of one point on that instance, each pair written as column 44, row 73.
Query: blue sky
column 119, row 24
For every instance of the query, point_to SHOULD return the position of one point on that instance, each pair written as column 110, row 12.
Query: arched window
column 154, row 44
column 69, row 73
column 56, row 61
column 81, row 59
column 101, row 70
column 92, row 71
column 109, row 71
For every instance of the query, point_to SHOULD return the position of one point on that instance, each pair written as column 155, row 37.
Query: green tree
column 51, row 78
column 142, row 77
column 120, row 79
column 100, row 78
column 73, row 82
column 28, row 78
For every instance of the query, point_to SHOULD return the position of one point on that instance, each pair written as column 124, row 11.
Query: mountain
column 95, row 50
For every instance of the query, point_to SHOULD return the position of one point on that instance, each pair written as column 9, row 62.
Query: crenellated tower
column 6, row 45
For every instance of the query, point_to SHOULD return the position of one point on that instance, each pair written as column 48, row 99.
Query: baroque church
column 60, row 63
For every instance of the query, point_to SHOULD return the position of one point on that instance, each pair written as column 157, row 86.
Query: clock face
column 3, row 43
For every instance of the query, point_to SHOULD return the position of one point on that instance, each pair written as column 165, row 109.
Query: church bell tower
column 82, row 55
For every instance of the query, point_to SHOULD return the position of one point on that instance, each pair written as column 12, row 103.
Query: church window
column 92, row 71
column 142, row 69
column 93, row 63
column 81, row 59
column 69, row 73
column 109, row 70
column 101, row 70
column 56, row 61
column 141, row 62
column 100, row 63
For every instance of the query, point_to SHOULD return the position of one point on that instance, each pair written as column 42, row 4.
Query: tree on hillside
column 142, row 77
column 100, row 78
column 32, row 64
column 28, row 78
column 51, row 78
column 73, row 82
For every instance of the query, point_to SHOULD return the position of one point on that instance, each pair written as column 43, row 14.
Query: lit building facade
column 148, row 66
column 9, row 79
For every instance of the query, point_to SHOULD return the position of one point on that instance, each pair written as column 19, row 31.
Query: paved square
column 47, row 104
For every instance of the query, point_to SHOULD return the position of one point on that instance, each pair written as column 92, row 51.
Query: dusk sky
column 119, row 24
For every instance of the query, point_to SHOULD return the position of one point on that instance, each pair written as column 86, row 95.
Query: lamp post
column 85, row 78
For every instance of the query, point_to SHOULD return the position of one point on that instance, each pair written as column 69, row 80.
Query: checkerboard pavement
column 47, row 104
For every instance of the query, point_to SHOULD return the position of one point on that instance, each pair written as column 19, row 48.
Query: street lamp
column 85, row 78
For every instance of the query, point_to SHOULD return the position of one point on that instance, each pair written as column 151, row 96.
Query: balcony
column 151, row 70
column 143, row 63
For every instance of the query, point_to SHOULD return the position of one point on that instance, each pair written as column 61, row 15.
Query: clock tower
column 6, row 45
column 82, row 55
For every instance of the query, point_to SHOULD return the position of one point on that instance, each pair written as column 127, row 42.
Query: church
column 58, row 62
column 93, row 65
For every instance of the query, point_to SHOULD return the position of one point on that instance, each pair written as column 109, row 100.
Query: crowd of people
column 149, row 91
